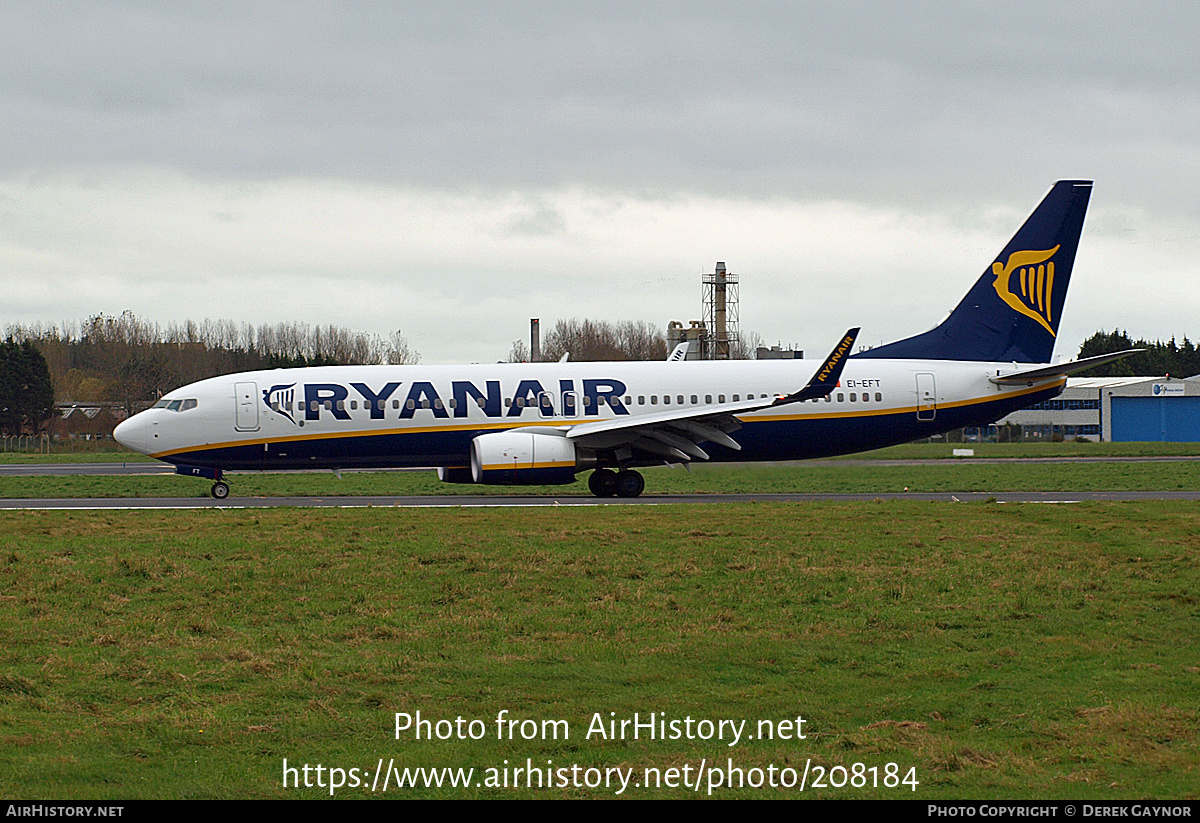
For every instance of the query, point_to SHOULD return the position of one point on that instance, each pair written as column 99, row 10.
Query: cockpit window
column 176, row 405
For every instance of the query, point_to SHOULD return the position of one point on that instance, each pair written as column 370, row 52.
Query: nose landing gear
column 219, row 490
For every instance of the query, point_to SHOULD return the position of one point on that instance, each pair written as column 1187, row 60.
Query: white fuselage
column 344, row 416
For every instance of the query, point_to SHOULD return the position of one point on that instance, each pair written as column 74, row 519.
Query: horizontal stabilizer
column 1062, row 369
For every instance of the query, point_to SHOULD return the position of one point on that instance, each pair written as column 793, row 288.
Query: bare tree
column 128, row 359
column 398, row 352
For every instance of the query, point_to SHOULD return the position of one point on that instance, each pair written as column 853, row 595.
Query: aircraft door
column 246, row 397
column 926, row 397
column 569, row 404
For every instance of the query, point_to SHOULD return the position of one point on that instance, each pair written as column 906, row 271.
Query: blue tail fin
column 1012, row 312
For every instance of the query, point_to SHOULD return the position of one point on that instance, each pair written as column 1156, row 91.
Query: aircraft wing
column 677, row 434
column 1061, row 369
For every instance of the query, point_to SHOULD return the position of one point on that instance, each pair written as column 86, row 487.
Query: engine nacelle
column 520, row 458
column 455, row 474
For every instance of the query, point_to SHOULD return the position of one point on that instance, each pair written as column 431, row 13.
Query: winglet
column 826, row 378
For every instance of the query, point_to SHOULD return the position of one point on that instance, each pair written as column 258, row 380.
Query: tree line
column 1175, row 359
column 126, row 359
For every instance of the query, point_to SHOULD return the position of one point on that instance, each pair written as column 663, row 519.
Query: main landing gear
column 220, row 490
column 608, row 483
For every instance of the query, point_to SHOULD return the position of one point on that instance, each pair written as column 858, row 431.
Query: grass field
column 999, row 651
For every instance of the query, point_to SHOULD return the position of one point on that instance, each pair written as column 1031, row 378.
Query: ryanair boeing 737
column 537, row 423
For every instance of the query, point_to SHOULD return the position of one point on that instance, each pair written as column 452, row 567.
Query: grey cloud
column 780, row 99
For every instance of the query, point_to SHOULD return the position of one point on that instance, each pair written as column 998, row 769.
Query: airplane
column 545, row 423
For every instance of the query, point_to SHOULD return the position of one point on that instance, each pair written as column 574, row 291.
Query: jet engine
column 516, row 458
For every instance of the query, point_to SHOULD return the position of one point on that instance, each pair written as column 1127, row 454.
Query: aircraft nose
column 134, row 433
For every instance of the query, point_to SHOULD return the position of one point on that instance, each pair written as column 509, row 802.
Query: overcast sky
column 453, row 169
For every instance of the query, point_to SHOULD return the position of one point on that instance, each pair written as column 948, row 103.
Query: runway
column 517, row 501
column 156, row 467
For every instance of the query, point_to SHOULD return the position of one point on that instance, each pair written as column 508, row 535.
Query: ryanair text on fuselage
column 422, row 395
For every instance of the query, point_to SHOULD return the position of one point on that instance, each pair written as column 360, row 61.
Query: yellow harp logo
column 1026, row 283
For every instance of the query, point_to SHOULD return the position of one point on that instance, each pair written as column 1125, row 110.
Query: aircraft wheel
column 603, row 483
column 630, row 484
column 220, row 490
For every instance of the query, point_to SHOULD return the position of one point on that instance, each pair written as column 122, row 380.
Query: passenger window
column 641, row 399
column 695, row 400
column 841, row 397
column 878, row 397
column 853, row 397
column 410, row 403
column 720, row 398
column 736, row 397
column 708, row 398
column 654, row 400
column 680, row 399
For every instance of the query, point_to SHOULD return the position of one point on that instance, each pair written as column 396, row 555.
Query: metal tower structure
column 720, row 313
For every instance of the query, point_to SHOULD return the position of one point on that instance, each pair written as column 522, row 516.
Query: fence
column 27, row 443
